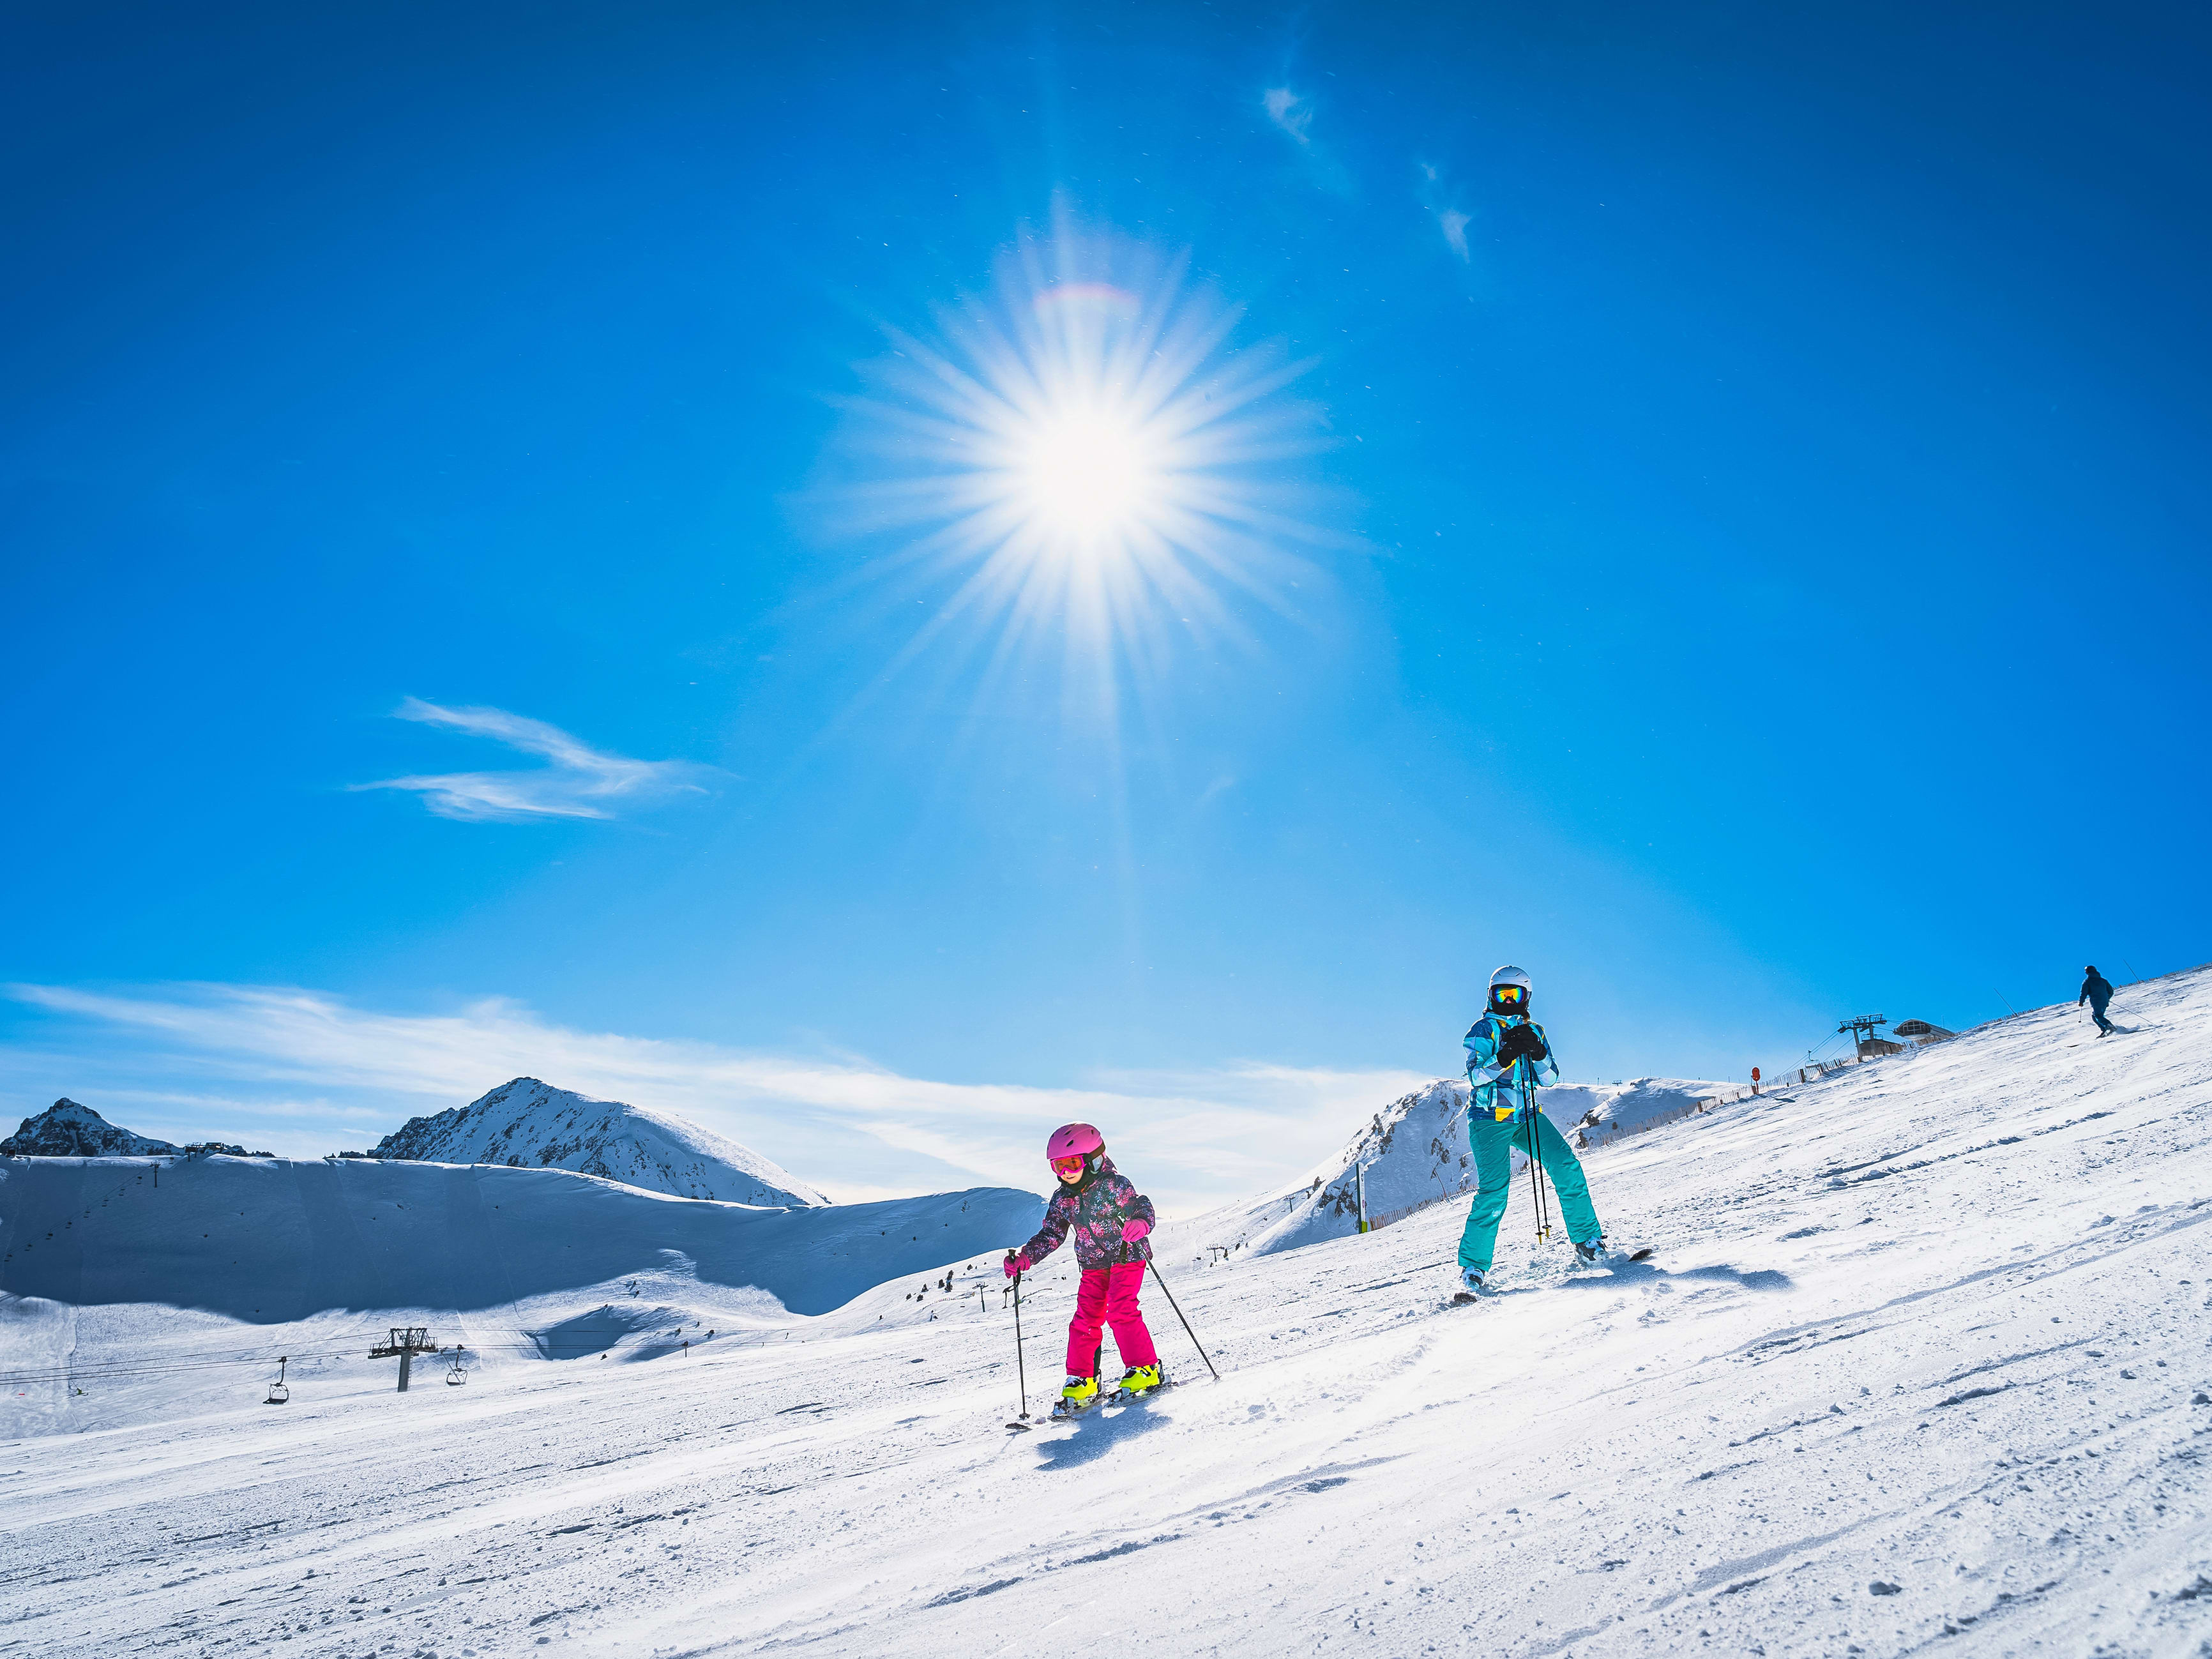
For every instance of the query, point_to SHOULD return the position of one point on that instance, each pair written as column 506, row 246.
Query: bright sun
column 1089, row 476
column 1088, row 460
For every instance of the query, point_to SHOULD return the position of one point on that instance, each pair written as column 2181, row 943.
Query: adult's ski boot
column 1603, row 1252
column 1474, row 1285
column 1077, row 1396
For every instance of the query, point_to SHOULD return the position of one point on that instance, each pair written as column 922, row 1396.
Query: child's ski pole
column 1535, row 1158
column 1021, row 1371
column 1187, row 1330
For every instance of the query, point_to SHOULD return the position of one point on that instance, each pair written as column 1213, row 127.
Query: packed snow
column 526, row 1123
column 1602, row 1111
column 1920, row 1360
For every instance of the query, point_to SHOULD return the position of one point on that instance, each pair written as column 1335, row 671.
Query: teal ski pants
column 1494, row 1145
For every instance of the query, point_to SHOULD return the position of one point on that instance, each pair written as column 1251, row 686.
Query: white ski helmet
column 1510, row 991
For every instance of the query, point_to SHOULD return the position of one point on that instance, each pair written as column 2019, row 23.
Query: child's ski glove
column 1015, row 1263
column 1133, row 1230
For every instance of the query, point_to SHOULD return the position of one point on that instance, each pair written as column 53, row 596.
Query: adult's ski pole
column 1187, row 1330
column 1535, row 1158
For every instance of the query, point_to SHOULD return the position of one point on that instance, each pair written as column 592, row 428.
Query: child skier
column 1111, row 1218
column 1502, row 1040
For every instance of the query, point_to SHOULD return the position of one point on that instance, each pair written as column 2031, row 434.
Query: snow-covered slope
column 1602, row 1110
column 279, row 1240
column 1414, row 1152
column 525, row 1124
column 66, row 1129
column 1921, row 1366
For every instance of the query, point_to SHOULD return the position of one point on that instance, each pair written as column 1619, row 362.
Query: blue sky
column 1732, row 544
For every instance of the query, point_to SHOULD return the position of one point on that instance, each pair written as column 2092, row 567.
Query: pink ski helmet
column 1074, row 1141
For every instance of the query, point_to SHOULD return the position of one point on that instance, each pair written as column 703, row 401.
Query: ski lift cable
column 214, row 1360
column 96, row 1370
column 64, row 1372
column 191, row 1362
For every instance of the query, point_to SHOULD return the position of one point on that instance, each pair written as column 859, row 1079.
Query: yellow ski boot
column 1077, row 1396
column 1140, row 1380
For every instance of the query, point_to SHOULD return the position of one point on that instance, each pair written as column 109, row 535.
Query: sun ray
column 1084, row 462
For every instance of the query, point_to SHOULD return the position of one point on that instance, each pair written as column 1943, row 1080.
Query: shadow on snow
column 1758, row 1279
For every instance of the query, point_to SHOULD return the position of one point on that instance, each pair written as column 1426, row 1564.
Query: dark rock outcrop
column 66, row 1129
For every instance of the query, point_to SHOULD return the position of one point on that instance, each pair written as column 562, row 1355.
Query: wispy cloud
column 1292, row 114
column 308, row 1061
column 1438, row 197
column 1454, row 225
column 578, row 782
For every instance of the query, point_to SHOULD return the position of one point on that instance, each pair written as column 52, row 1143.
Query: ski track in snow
column 1921, row 1362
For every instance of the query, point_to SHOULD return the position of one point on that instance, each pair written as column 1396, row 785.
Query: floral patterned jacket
column 1095, row 1208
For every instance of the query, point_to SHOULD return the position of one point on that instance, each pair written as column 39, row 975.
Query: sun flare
column 1088, row 458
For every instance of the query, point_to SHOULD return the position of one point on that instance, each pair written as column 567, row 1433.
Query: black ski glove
column 1520, row 1043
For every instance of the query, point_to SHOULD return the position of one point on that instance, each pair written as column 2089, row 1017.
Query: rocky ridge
column 66, row 1129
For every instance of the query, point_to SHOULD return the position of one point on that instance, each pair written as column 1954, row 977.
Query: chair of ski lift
column 456, row 1373
column 278, row 1393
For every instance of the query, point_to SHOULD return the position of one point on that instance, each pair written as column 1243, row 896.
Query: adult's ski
column 1612, row 1258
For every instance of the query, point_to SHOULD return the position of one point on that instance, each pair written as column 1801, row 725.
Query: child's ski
column 1126, row 1397
column 1063, row 1412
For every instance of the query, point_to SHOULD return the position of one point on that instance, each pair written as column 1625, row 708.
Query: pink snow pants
column 1108, row 1296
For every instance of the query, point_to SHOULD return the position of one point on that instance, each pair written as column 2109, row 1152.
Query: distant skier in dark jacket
column 1109, row 1218
column 2097, row 992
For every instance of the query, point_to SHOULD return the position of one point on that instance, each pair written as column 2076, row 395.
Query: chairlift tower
column 405, row 1343
column 1862, row 1027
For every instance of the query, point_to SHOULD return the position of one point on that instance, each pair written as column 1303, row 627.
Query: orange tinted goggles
column 1067, row 1166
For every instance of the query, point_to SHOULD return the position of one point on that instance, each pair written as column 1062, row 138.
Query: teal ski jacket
column 1487, row 1076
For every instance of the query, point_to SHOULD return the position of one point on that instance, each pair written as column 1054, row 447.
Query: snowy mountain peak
column 66, row 1129
column 529, row 1124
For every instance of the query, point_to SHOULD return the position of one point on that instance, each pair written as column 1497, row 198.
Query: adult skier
column 2097, row 992
column 1109, row 1218
column 1498, row 1045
